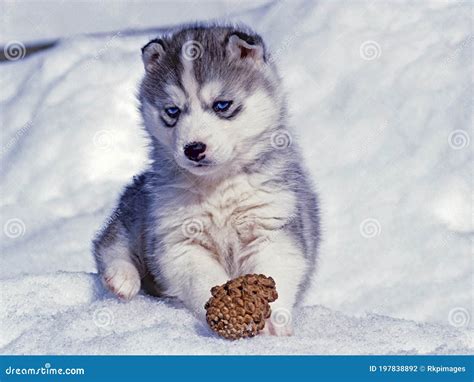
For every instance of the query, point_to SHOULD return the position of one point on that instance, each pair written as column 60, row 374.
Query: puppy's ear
column 246, row 48
column 152, row 53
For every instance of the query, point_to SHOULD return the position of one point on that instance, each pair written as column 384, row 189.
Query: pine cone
column 239, row 308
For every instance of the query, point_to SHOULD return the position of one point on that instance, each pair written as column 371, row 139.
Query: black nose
column 195, row 151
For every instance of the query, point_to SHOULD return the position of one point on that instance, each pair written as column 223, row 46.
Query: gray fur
column 134, row 214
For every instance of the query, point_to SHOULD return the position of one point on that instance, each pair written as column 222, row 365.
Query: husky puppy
column 226, row 194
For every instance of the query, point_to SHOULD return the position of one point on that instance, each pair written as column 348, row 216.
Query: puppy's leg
column 114, row 260
column 281, row 259
column 189, row 273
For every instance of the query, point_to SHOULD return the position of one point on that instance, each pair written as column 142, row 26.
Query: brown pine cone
column 239, row 308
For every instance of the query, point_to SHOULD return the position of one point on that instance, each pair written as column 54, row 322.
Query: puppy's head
column 210, row 97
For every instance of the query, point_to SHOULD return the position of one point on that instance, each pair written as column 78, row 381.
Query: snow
column 70, row 313
column 48, row 20
column 381, row 101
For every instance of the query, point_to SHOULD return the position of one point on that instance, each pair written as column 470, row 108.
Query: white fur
column 237, row 218
column 240, row 223
column 177, row 95
column 121, row 275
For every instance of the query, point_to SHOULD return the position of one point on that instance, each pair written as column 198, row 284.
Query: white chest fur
column 230, row 220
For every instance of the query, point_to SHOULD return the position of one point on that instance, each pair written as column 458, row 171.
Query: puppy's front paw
column 123, row 279
column 279, row 323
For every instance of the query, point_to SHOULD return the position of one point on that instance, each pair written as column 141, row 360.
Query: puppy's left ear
column 246, row 48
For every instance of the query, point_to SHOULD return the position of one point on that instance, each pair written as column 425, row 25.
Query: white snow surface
column 70, row 313
column 380, row 96
column 32, row 21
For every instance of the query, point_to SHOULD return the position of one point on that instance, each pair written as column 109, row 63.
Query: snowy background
column 381, row 100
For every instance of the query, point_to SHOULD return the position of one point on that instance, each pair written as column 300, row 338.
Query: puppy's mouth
column 203, row 167
column 201, row 164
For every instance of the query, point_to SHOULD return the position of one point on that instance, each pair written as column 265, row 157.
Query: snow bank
column 33, row 21
column 68, row 313
column 380, row 96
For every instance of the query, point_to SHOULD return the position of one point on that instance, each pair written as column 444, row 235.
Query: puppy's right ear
column 152, row 53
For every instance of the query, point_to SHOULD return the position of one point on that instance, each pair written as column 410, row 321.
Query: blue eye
column 220, row 106
column 172, row 111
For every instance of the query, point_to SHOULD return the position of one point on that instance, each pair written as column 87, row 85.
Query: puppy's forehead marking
column 210, row 91
column 188, row 79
